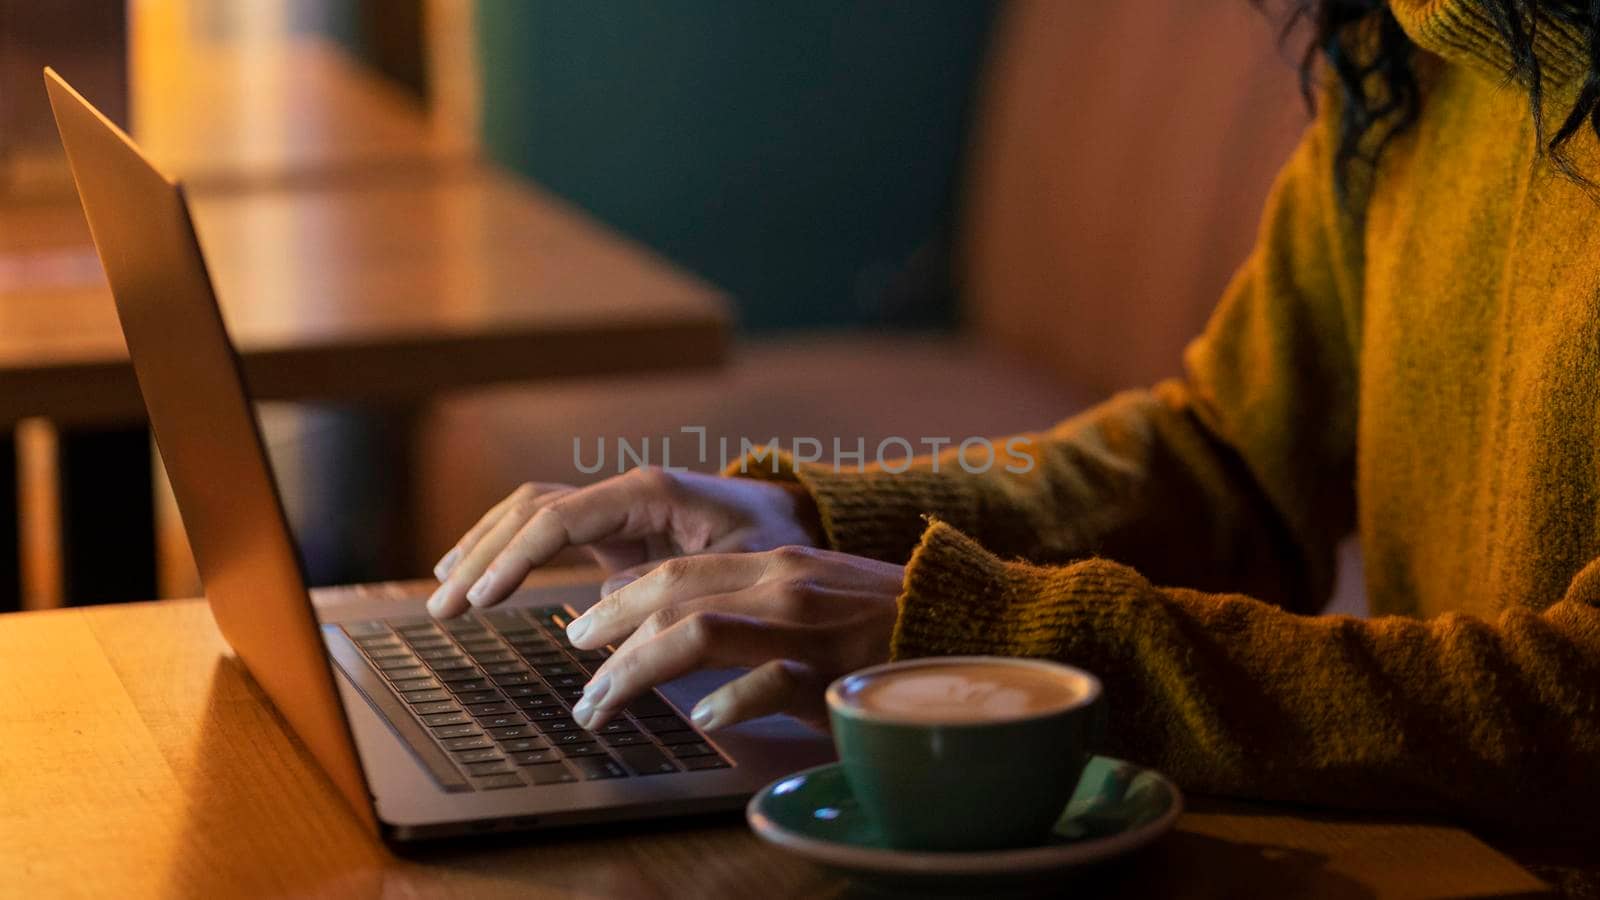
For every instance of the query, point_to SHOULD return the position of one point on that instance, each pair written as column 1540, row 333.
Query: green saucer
column 1117, row 808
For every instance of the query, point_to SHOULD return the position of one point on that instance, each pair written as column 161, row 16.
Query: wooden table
column 383, row 292
column 227, row 114
column 139, row 760
column 388, row 290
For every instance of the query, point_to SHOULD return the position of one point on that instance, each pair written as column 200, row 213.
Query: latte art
column 964, row 692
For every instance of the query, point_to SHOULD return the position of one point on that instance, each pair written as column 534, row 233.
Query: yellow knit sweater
column 1422, row 364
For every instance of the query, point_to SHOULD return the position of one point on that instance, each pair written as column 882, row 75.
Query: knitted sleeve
column 1496, row 721
column 1238, row 477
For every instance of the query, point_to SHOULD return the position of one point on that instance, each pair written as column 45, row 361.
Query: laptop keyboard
column 494, row 691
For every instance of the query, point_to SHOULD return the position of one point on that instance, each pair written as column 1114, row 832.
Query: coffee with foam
column 964, row 693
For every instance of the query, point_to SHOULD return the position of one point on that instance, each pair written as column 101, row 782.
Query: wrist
column 803, row 507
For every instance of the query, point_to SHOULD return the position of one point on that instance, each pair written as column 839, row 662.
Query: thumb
column 779, row 686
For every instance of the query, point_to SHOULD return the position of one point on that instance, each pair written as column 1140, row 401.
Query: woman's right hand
column 628, row 522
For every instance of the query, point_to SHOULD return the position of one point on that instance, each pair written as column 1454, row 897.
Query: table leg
column 108, row 538
column 10, row 530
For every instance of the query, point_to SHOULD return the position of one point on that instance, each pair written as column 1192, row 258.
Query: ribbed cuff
column 961, row 599
column 871, row 513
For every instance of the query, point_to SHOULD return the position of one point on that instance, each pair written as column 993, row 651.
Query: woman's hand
column 800, row 616
column 627, row 521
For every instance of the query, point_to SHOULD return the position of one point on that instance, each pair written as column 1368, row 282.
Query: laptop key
column 428, row 696
column 366, row 629
column 576, row 750
column 567, row 682
column 490, row 709
column 645, row 760
column 505, row 668
column 467, row 687
column 597, row 767
column 460, row 674
column 488, row 768
column 680, row 737
column 507, row 732
column 479, row 697
column 522, row 745
column 434, row 708
column 662, row 724
column 699, row 748
column 444, row 732
column 506, row 721
column 403, row 661
column 496, row 782
column 515, row 680
column 695, row 763
column 478, row 756
column 571, row 695
column 535, row 757
column 542, row 701
column 441, row 653
column 557, row 669
column 555, row 773
column 525, row 690
column 399, row 650
column 650, row 704
column 415, row 684
column 618, row 726
column 467, row 743
column 589, row 656
column 407, row 674
column 432, row 642
column 551, row 711
column 556, row 725
column 625, row 740
column 567, row 738
column 450, row 718
column 497, row 655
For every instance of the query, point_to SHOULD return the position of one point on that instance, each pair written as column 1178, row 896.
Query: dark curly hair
column 1370, row 58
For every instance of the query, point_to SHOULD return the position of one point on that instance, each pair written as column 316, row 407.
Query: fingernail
column 441, row 569
column 577, row 628
column 581, row 710
column 702, row 714
column 595, row 691
column 436, row 601
column 480, row 588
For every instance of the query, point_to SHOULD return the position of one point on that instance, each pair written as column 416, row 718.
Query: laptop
column 428, row 729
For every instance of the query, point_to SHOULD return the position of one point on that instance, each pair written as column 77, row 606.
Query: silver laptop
column 429, row 729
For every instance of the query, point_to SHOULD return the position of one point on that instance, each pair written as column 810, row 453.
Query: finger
column 698, row 641
column 618, row 580
column 441, row 569
column 675, row 580
column 451, row 597
column 778, row 686
column 628, row 506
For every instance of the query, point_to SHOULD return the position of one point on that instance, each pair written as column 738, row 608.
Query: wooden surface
column 380, row 290
column 255, row 112
column 140, row 761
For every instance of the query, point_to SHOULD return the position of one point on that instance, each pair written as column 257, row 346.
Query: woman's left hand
column 800, row 616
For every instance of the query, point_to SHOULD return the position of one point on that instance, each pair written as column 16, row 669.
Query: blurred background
column 451, row 237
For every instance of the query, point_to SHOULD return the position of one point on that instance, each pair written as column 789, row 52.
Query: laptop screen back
column 205, row 426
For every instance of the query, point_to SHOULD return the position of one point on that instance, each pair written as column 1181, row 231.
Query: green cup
column 965, row 772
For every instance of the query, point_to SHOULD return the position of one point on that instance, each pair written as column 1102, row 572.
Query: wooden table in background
column 384, row 292
column 234, row 114
column 139, row 760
